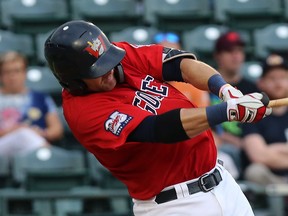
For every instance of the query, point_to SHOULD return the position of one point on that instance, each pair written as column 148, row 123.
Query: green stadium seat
column 40, row 78
column 4, row 171
column 200, row 41
column 272, row 38
column 285, row 13
column 18, row 42
column 101, row 176
column 105, row 180
column 33, row 16
column 169, row 15
column 108, row 15
column 39, row 47
column 251, row 70
column 135, row 34
column 248, row 15
column 50, row 169
column 68, row 141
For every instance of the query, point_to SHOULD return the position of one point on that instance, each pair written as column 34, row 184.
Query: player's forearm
column 197, row 73
column 194, row 121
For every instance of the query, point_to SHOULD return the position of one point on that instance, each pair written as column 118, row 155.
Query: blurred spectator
column 199, row 97
column 28, row 119
column 265, row 143
column 229, row 56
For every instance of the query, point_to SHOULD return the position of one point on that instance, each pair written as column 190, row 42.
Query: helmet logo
column 96, row 47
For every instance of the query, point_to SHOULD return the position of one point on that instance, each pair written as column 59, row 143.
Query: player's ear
column 75, row 87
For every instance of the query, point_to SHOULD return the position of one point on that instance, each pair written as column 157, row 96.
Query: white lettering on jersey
column 116, row 122
column 150, row 96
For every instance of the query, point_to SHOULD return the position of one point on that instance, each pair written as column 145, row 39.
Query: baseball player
column 150, row 136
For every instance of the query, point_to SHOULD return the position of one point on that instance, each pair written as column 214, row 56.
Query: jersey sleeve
column 105, row 127
column 148, row 58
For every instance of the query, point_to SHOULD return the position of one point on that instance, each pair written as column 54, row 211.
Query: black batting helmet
column 78, row 50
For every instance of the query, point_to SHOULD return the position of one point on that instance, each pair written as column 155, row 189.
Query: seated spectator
column 28, row 119
column 199, row 97
column 265, row 158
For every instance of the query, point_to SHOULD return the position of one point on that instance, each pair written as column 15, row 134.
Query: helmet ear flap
column 75, row 87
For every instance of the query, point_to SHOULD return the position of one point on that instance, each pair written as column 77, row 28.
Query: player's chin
column 108, row 86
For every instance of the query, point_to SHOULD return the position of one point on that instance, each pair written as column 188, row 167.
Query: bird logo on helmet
column 96, row 48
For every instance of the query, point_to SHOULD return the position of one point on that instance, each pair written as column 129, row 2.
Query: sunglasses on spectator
column 170, row 37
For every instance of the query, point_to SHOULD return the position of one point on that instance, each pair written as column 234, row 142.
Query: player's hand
column 248, row 108
column 228, row 92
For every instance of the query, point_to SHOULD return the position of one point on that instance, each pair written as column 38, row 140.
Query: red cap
column 228, row 41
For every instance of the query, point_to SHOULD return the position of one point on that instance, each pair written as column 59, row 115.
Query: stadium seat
column 4, row 172
column 33, row 16
column 68, row 141
column 272, row 38
column 103, row 179
column 49, row 169
column 108, row 15
column 39, row 47
column 101, row 176
column 248, row 15
column 136, row 35
column 18, row 42
column 40, row 78
column 285, row 14
column 171, row 15
column 251, row 70
column 200, row 41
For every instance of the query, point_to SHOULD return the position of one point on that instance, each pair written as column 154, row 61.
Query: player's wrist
column 215, row 84
column 216, row 114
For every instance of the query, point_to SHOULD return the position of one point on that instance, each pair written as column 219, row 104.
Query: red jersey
column 101, row 122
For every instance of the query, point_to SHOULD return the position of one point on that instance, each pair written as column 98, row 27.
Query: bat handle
column 278, row 102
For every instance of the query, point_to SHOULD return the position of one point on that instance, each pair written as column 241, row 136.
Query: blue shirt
column 30, row 108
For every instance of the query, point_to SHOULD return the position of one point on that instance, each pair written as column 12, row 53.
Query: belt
column 205, row 183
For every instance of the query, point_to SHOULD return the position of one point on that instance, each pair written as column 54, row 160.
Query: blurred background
column 63, row 179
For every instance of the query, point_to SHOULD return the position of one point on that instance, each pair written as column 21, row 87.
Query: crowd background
column 62, row 178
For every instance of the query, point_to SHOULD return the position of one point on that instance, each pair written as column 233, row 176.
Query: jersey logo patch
column 116, row 122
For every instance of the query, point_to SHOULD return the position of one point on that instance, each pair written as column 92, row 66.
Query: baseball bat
column 278, row 102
